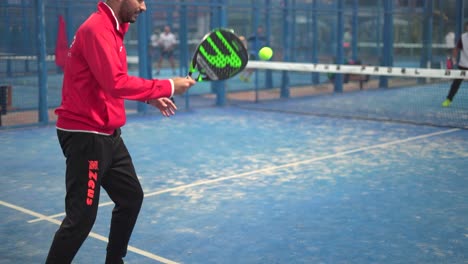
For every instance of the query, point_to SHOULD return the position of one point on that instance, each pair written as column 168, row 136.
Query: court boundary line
column 91, row 234
column 272, row 168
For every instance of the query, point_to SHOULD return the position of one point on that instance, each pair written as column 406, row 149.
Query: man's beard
column 128, row 17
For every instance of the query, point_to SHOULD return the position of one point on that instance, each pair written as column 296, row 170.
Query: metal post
column 377, row 20
column 68, row 20
column 256, row 20
column 214, row 23
column 268, row 73
column 339, row 46
column 315, row 47
column 221, row 85
column 387, row 50
column 143, row 40
column 459, row 18
column 41, row 62
column 354, row 31
column 426, row 55
column 284, row 93
column 292, row 25
column 183, row 46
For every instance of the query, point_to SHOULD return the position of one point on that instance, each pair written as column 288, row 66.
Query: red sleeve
column 106, row 65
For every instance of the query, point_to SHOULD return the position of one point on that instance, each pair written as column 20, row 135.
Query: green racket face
column 220, row 55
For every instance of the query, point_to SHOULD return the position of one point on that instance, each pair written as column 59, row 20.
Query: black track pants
column 455, row 86
column 93, row 161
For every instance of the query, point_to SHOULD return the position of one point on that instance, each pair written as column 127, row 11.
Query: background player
column 462, row 50
column 167, row 42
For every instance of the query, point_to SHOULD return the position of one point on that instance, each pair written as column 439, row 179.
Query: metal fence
column 383, row 32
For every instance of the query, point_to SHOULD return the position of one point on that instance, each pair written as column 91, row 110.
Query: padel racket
column 219, row 56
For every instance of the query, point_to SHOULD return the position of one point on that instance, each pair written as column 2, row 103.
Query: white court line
column 91, row 234
column 273, row 168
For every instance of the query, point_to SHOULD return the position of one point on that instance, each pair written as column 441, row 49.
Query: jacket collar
column 103, row 7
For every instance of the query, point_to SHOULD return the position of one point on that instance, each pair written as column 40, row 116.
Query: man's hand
column 165, row 105
column 182, row 84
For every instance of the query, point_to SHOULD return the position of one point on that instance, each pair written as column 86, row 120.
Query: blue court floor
column 229, row 185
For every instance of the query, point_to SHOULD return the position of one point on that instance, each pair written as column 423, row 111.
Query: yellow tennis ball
column 265, row 53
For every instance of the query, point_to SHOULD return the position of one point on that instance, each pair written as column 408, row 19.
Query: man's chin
column 133, row 19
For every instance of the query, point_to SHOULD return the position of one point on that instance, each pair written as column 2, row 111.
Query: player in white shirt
column 462, row 48
column 167, row 42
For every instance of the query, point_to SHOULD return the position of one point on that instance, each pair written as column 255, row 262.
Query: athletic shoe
column 446, row 103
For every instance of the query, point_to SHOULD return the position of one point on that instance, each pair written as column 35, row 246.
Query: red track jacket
column 96, row 81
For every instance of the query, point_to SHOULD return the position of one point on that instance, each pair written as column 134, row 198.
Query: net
column 397, row 94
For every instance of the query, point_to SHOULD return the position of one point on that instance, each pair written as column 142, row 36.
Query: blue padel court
column 236, row 185
column 345, row 147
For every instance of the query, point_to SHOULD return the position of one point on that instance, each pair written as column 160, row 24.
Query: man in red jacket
column 95, row 85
